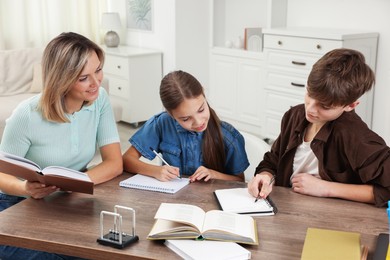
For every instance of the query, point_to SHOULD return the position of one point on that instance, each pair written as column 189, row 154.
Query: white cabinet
column 236, row 75
column 134, row 76
column 236, row 88
column 290, row 54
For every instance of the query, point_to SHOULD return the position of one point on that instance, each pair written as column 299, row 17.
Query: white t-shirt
column 305, row 161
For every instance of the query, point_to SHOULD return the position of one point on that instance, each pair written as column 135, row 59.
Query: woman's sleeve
column 17, row 133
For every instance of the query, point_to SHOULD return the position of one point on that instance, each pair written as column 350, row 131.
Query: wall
column 180, row 30
column 355, row 14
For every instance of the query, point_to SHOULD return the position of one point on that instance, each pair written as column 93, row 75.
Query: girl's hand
column 309, row 184
column 202, row 173
column 260, row 185
column 38, row 190
column 168, row 173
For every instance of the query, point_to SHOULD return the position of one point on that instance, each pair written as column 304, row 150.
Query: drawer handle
column 119, row 66
column 119, row 88
column 297, row 85
column 319, row 47
column 280, row 43
column 299, row 63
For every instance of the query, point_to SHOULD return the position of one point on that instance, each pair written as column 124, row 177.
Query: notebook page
column 238, row 200
column 143, row 182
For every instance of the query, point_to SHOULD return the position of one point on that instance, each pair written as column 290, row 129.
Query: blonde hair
column 63, row 61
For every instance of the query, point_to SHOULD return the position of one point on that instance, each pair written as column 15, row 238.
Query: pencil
column 270, row 182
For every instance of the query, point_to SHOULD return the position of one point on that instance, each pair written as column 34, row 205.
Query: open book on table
column 238, row 200
column 64, row 178
column 183, row 221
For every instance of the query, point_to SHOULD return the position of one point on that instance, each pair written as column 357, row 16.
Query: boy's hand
column 168, row 173
column 309, row 184
column 260, row 185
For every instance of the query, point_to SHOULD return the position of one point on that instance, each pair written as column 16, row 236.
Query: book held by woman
column 64, row 178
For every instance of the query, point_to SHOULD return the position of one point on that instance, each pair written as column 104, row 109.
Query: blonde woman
column 62, row 126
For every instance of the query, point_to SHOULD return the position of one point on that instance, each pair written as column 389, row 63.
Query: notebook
column 216, row 250
column 143, row 182
column 331, row 244
column 238, row 200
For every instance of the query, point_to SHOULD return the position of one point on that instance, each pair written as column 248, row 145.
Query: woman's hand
column 261, row 185
column 168, row 173
column 38, row 190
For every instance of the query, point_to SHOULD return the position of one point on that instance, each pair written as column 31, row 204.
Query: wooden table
column 69, row 223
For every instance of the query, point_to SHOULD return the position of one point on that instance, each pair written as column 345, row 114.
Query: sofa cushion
column 37, row 84
column 8, row 104
column 12, row 63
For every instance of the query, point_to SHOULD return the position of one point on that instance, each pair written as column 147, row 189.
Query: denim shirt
column 183, row 148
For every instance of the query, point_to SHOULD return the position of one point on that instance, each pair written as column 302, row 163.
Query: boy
column 324, row 148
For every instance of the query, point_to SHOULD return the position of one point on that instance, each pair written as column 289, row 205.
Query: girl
column 189, row 135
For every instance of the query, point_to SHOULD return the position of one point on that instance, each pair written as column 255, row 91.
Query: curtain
column 33, row 23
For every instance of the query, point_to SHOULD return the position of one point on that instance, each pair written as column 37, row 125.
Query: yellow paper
column 388, row 253
column 330, row 244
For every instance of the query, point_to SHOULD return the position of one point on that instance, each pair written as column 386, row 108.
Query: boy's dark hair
column 340, row 78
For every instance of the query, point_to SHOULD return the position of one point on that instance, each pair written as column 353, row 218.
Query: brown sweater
column 346, row 149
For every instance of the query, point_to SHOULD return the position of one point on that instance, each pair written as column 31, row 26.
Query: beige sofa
column 16, row 79
column 20, row 78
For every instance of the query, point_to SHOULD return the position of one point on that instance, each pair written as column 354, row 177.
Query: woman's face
column 192, row 114
column 87, row 86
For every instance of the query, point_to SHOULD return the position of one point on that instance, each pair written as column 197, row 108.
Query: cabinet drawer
column 286, row 82
column 301, row 44
column 117, row 66
column 279, row 103
column 119, row 87
column 297, row 61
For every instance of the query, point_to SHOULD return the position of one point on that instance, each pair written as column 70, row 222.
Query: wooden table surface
column 69, row 223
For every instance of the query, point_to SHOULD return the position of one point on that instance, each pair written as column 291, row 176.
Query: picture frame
column 139, row 15
column 253, row 40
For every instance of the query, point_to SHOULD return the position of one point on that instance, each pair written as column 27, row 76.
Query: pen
column 161, row 158
column 270, row 182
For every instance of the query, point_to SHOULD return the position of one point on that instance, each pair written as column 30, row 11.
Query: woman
column 62, row 126
column 189, row 135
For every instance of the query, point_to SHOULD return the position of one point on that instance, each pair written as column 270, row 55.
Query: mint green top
column 71, row 145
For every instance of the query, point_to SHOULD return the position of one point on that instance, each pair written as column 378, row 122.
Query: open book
column 238, row 200
column 183, row 221
column 64, row 178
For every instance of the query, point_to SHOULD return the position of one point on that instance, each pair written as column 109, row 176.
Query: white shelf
column 231, row 17
column 237, row 53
